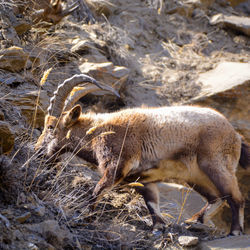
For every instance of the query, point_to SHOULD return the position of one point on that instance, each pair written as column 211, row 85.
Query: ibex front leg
column 112, row 175
column 150, row 194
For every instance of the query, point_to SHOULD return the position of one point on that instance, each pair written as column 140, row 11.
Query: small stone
column 32, row 246
column 40, row 210
column 22, row 218
column 17, row 235
column 188, row 241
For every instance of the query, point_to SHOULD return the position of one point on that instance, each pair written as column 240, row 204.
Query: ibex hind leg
column 226, row 183
column 150, row 194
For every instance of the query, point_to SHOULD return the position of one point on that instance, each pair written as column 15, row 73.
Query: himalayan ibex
column 193, row 144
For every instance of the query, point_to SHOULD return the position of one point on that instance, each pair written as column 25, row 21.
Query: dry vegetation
column 170, row 52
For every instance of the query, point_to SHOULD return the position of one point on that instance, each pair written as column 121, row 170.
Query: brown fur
column 195, row 145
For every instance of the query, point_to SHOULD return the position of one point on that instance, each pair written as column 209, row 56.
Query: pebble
column 188, row 241
column 22, row 218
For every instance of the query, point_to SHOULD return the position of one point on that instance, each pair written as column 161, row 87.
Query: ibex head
column 61, row 117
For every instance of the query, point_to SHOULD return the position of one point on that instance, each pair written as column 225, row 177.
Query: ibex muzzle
column 192, row 144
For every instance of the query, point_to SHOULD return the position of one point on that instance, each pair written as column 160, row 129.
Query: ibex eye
column 50, row 127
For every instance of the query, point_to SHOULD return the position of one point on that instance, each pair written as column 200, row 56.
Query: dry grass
column 121, row 219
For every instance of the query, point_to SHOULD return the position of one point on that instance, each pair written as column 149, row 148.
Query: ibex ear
column 72, row 116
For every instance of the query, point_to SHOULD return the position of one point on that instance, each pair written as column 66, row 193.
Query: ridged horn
column 81, row 92
column 57, row 102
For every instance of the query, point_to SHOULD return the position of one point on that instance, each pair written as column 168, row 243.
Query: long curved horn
column 82, row 91
column 57, row 101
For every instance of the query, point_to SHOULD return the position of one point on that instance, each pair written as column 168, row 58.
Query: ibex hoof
column 236, row 233
column 158, row 230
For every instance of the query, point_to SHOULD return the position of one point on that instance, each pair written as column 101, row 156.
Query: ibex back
column 193, row 144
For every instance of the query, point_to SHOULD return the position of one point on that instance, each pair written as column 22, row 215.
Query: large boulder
column 226, row 88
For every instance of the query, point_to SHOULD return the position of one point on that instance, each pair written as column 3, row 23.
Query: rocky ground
column 154, row 53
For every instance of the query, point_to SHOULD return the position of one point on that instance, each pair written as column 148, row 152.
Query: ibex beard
column 192, row 144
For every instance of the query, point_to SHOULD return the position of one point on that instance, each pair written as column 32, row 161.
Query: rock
column 26, row 101
column 236, row 2
column 51, row 232
column 82, row 47
column 238, row 23
column 40, row 210
column 243, row 6
column 101, row 7
column 199, row 227
column 8, row 33
column 13, row 59
column 22, row 27
column 1, row 116
column 234, row 242
column 12, row 80
column 24, row 217
column 188, row 241
column 5, row 220
column 7, row 138
column 106, row 72
column 227, row 89
column 17, row 234
column 172, row 198
column 32, row 246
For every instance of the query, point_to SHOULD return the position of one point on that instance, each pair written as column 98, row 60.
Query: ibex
column 193, row 144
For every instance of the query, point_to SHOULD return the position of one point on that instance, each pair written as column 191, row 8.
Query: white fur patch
column 241, row 215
